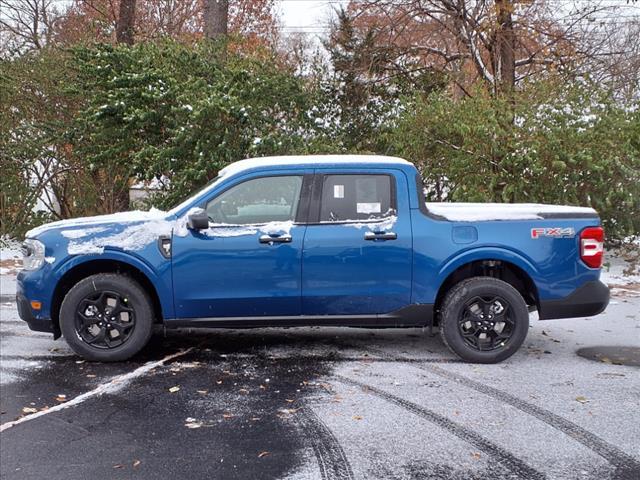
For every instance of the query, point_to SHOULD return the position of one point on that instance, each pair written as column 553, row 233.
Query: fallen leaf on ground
column 136, row 463
column 288, row 411
column 174, row 389
column 227, row 415
column 357, row 417
column 476, row 455
column 118, row 466
column 263, row 454
column 288, row 400
column 29, row 410
column 582, row 399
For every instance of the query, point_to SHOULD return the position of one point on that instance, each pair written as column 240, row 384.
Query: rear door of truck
column 357, row 251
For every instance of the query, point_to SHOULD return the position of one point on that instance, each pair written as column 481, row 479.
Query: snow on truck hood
column 83, row 226
column 476, row 212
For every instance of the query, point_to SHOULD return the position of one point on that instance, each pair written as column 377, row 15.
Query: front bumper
column 588, row 300
column 36, row 324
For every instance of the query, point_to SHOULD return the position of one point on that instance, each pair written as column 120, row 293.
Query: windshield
column 189, row 200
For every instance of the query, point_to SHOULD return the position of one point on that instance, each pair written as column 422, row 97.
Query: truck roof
column 310, row 161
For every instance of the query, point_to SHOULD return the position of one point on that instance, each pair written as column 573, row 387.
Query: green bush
column 183, row 111
column 565, row 145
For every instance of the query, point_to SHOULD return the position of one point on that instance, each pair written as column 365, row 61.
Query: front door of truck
column 358, row 245
column 248, row 263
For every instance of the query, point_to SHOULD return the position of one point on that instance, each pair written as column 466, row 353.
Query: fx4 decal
column 553, row 232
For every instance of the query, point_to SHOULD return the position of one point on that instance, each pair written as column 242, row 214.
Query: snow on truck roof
column 309, row 160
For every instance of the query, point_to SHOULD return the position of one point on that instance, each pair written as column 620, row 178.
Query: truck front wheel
column 484, row 320
column 106, row 317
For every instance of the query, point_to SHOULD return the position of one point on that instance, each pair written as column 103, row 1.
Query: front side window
column 256, row 201
column 356, row 197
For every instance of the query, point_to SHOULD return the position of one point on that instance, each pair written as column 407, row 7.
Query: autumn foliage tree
column 497, row 42
column 183, row 20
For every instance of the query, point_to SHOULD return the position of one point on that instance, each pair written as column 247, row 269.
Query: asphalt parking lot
column 326, row 403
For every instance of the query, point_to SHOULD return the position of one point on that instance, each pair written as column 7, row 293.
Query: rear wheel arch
column 92, row 267
column 503, row 270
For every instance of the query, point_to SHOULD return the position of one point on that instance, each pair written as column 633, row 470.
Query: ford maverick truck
column 314, row 240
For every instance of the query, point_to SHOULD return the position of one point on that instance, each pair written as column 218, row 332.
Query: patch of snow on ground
column 475, row 212
column 7, row 285
column 613, row 272
column 9, row 249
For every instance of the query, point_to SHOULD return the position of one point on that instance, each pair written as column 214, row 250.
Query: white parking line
column 112, row 386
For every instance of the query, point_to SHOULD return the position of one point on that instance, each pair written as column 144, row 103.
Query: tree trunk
column 504, row 59
column 216, row 16
column 126, row 21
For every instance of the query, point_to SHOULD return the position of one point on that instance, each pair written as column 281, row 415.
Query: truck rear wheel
column 106, row 317
column 484, row 320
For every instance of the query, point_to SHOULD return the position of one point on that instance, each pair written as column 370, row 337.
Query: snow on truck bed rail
column 475, row 212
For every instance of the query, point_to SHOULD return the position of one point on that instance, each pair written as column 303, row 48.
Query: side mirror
column 198, row 221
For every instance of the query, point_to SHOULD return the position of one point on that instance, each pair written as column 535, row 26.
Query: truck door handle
column 380, row 236
column 275, row 239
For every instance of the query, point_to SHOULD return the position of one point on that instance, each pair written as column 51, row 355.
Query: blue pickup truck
column 314, row 240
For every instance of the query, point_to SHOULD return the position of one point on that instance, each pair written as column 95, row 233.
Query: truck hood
column 126, row 230
column 478, row 212
column 78, row 227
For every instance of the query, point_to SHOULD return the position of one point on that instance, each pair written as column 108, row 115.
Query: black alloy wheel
column 105, row 319
column 483, row 320
column 486, row 323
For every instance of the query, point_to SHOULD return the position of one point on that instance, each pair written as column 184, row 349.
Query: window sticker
column 368, row 207
column 338, row 191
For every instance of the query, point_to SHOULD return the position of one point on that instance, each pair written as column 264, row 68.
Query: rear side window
column 356, row 197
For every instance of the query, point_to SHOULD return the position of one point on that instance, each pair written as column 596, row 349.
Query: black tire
column 469, row 312
column 87, row 305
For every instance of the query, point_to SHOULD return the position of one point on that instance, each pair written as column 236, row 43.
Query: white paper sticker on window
column 338, row 191
column 368, row 207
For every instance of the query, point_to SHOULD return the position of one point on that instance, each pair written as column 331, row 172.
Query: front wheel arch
column 93, row 267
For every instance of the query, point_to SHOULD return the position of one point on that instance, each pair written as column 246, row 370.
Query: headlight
column 33, row 252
